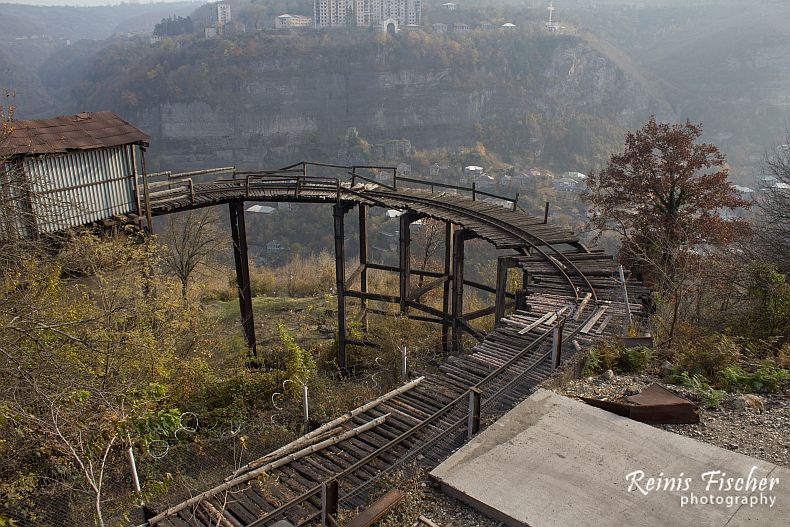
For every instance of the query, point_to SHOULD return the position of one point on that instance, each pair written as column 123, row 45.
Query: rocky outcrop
column 282, row 107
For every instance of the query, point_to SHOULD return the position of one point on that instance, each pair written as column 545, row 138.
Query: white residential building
column 367, row 13
column 331, row 13
column 287, row 21
column 223, row 15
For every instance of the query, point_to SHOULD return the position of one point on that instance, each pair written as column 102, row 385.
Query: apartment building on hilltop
column 366, row 13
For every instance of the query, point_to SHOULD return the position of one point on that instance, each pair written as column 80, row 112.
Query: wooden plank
column 535, row 324
column 590, row 323
column 587, row 298
column 378, row 509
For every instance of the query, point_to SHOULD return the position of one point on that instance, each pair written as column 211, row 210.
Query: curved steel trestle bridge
column 568, row 297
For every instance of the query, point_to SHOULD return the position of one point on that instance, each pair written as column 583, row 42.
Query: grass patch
column 612, row 355
column 709, row 397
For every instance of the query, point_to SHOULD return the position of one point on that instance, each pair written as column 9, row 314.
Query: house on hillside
column 567, row 184
column 471, row 173
column 485, row 181
column 287, row 21
column 437, row 170
column 69, row 171
column 439, row 27
column 576, row 176
column 461, row 27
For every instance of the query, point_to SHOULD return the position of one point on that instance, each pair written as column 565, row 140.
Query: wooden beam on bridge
column 433, row 284
column 238, row 231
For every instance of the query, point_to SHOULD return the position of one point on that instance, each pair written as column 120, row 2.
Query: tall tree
column 774, row 205
column 192, row 241
column 663, row 192
column 668, row 197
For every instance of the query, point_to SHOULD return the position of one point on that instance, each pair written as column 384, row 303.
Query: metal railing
column 166, row 186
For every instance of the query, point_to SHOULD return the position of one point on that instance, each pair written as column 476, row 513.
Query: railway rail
column 573, row 300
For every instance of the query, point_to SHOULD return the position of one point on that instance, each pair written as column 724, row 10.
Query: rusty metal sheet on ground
column 654, row 405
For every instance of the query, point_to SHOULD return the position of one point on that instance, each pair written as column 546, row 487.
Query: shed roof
column 83, row 131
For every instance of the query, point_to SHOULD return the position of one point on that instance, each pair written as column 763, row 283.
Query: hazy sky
column 85, row 3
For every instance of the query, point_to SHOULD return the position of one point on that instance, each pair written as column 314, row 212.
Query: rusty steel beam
column 459, row 237
column 448, row 270
column 363, row 260
column 339, row 212
column 378, row 509
column 240, row 255
column 406, row 219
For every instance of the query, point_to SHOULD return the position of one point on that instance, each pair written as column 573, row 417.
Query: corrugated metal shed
column 68, row 171
column 83, row 131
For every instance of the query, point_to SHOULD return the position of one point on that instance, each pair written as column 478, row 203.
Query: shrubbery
column 612, row 355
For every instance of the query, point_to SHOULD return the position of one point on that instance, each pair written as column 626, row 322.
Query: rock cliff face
column 281, row 108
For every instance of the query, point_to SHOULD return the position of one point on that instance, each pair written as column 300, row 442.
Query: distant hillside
column 725, row 63
column 525, row 95
column 75, row 23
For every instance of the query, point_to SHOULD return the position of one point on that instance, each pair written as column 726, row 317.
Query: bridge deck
column 425, row 423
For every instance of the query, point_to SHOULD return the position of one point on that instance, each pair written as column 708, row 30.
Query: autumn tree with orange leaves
column 668, row 197
column 665, row 191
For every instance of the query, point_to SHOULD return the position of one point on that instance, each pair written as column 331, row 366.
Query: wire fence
column 170, row 470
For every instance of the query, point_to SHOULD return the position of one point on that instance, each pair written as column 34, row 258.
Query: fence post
column 329, row 498
column 133, row 469
column 546, row 214
column 515, row 202
column 474, row 191
column 473, row 422
column 306, row 409
column 404, row 367
column 556, row 344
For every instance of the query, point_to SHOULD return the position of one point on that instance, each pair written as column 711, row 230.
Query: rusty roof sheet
column 84, row 131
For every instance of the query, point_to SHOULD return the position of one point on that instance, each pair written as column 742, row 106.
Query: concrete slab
column 555, row 461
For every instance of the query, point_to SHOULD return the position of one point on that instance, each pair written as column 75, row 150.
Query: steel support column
column 459, row 237
column 363, row 260
column 339, row 213
column 448, row 270
column 503, row 265
column 556, row 343
column 406, row 220
column 238, row 231
column 521, row 295
column 473, row 418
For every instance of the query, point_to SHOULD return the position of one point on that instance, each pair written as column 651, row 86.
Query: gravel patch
column 762, row 434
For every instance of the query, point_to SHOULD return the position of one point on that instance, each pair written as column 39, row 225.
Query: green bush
column 764, row 379
column 709, row 397
column 708, row 354
column 611, row 355
column 602, row 357
column 634, row 360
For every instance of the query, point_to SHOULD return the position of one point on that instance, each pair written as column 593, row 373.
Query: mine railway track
column 573, row 302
